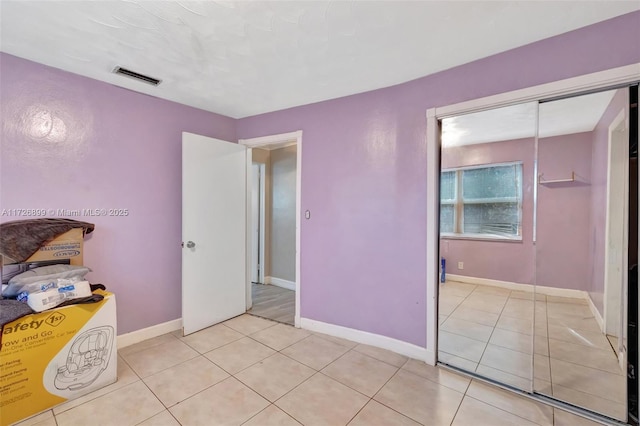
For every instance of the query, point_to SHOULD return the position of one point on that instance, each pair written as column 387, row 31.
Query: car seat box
column 55, row 356
column 65, row 246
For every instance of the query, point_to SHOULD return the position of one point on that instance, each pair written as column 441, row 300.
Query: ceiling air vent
column 137, row 76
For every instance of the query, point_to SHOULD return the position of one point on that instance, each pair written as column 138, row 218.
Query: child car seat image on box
column 87, row 362
column 88, row 357
column 57, row 355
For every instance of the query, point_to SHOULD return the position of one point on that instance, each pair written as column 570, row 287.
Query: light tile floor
column 488, row 330
column 256, row 372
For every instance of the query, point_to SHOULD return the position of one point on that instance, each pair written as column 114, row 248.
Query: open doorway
column 273, row 227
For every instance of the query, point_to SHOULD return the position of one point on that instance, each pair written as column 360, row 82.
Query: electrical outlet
column 460, row 265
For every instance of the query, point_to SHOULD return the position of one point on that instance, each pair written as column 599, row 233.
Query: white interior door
column 214, row 211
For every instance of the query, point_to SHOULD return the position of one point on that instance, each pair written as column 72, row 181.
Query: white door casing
column 214, row 203
column 262, row 213
column 255, row 222
column 273, row 141
column 616, row 230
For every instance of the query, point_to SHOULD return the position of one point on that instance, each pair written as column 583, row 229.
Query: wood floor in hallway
column 273, row 302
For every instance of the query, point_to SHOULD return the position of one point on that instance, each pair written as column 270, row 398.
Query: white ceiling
column 561, row 117
column 241, row 58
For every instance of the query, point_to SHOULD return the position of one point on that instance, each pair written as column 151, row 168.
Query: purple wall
column 363, row 251
column 497, row 260
column 598, row 211
column 364, row 176
column 562, row 240
column 108, row 148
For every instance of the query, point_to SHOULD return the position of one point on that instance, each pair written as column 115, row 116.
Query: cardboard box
column 56, row 355
column 66, row 246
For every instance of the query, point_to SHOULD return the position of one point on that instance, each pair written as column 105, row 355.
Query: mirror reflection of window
column 448, row 202
column 483, row 201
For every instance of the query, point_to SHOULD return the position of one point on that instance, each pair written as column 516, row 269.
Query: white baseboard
column 596, row 313
column 289, row 285
column 407, row 349
column 549, row 291
column 129, row 339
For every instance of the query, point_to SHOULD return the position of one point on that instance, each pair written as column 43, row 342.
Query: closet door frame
column 563, row 88
column 608, row 79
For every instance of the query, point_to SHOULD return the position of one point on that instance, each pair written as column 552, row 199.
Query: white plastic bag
column 52, row 296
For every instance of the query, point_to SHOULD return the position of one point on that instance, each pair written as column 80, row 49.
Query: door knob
column 190, row 244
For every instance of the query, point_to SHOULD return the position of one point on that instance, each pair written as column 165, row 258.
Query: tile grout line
column 506, row 411
column 264, row 409
column 461, row 302
column 499, row 328
column 385, row 384
column 234, row 375
column 155, row 396
column 492, row 331
column 93, row 399
column 464, row 395
column 325, row 375
column 458, row 407
column 299, row 384
column 475, row 287
column 316, row 371
column 569, row 362
column 214, row 384
column 199, row 355
column 549, row 348
column 547, row 338
column 583, row 365
column 370, row 398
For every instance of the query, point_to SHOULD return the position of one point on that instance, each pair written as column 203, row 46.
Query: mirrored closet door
column 487, row 195
column 581, row 247
column 534, row 202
